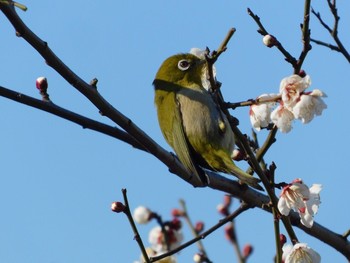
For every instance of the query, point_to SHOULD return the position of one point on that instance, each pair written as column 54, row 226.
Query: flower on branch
column 158, row 242
column 260, row 114
column 309, row 105
column 298, row 197
column 282, row 118
column 142, row 215
column 294, row 103
column 300, row 253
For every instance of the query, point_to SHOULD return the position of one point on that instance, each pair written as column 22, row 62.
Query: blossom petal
column 306, row 219
column 301, row 253
column 282, row 118
column 283, row 206
column 308, row 106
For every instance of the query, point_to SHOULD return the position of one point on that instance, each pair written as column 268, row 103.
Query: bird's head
column 186, row 70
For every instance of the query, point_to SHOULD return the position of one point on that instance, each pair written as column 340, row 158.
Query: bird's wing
column 181, row 144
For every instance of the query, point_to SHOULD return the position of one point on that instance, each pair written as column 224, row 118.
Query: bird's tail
column 245, row 177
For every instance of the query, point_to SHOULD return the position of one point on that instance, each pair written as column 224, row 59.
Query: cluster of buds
column 164, row 237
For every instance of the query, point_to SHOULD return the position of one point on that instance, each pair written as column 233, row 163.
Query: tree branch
column 332, row 31
column 305, row 37
column 85, row 122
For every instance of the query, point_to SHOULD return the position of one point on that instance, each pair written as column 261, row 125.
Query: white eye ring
column 183, row 64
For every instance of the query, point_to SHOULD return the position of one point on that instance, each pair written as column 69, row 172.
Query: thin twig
column 194, row 232
column 276, row 221
column 346, row 234
column 332, row 31
column 288, row 57
column 321, row 43
column 137, row 236
column 305, row 37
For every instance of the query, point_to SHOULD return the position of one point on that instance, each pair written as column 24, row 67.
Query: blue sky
column 58, row 180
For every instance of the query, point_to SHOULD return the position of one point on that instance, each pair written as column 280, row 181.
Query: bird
column 192, row 122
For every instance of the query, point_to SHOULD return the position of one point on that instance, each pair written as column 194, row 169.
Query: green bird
column 191, row 121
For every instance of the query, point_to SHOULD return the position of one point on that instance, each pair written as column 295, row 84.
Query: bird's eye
column 183, row 64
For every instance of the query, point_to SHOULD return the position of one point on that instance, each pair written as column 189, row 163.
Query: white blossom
column 142, row 215
column 282, row 118
column 157, row 240
column 300, row 253
column 260, row 114
column 291, row 88
column 298, row 197
column 309, row 105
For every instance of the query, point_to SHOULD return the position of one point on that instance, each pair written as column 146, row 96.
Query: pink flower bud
column 41, row 84
column 229, row 233
column 247, row 250
column 222, row 209
column 227, row 200
column 118, row 207
column 283, row 239
column 175, row 224
column 302, row 73
column 177, row 212
column 199, row 226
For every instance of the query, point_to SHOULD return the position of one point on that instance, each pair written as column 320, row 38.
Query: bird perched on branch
column 192, row 122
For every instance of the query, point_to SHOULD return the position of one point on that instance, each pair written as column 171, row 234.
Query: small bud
column 247, row 250
column 229, row 233
column 177, row 212
column 237, row 155
column 269, row 40
column 41, row 84
column 142, row 215
column 175, row 224
column 283, row 239
column 198, row 258
column 118, row 207
column 222, row 209
column 227, row 200
column 199, row 227
column 302, row 73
